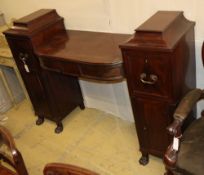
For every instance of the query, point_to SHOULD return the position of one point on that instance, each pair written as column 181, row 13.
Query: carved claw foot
column 144, row 160
column 59, row 128
column 39, row 121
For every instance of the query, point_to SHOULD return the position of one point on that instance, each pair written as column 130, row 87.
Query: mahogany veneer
column 159, row 63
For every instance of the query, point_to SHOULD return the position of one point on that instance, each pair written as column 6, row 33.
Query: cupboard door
column 28, row 66
column 37, row 93
column 152, row 118
column 64, row 94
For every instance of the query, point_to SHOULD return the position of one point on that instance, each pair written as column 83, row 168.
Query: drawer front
column 102, row 72
column 148, row 73
column 23, row 55
column 59, row 66
column 96, row 72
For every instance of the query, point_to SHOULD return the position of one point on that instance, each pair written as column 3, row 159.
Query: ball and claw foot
column 39, row 121
column 144, row 160
column 59, row 128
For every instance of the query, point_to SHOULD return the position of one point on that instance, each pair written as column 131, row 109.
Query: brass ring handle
column 153, row 78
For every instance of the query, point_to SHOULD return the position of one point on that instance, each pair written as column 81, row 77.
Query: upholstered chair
column 185, row 155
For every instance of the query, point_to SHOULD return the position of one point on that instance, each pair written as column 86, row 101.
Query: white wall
column 112, row 16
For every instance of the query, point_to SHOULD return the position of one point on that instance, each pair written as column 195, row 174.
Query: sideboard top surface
column 159, row 22
column 84, row 47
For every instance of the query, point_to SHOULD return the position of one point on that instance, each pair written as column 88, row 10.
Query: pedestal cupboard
column 159, row 62
column 53, row 95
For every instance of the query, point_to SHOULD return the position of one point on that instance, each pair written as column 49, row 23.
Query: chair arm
column 180, row 114
column 183, row 109
column 170, row 157
column 65, row 169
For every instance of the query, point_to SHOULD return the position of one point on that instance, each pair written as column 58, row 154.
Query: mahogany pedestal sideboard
column 159, row 62
column 50, row 60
